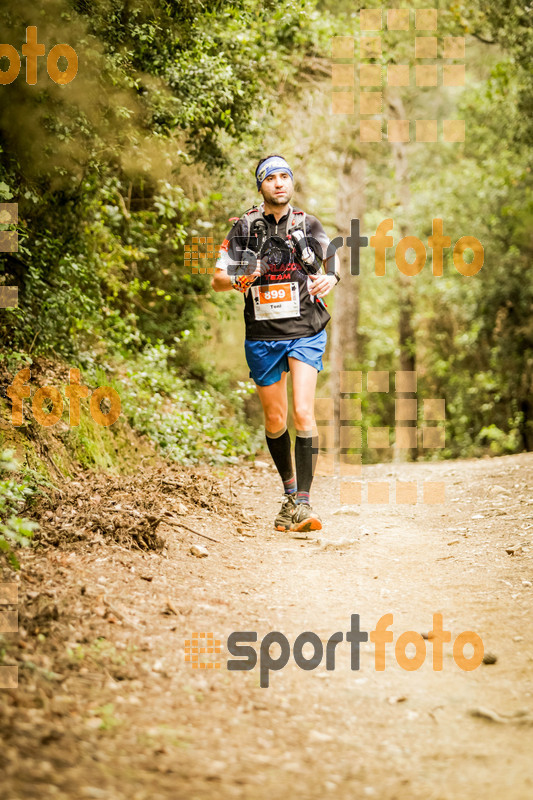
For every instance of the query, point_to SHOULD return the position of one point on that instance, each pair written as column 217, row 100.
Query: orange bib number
column 276, row 302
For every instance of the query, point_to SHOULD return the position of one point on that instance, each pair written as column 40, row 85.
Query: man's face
column 277, row 189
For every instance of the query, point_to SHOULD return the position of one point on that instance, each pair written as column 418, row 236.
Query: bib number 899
column 275, row 294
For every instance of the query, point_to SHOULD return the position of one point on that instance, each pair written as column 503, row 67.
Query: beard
column 278, row 200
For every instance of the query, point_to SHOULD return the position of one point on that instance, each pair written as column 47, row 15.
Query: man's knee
column 275, row 421
column 304, row 418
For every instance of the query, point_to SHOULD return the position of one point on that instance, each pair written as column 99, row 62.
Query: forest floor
column 107, row 707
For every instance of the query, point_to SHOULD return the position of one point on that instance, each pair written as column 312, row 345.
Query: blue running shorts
column 269, row 360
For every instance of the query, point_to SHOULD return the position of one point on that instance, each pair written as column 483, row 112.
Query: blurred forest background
column 156, row 141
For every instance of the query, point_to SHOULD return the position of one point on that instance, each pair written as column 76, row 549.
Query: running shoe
column 305, row 519
column 284, row 519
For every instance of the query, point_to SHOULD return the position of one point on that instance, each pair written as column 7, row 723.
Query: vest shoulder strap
column 252, row 214
column 249, row 217
column 297, row 220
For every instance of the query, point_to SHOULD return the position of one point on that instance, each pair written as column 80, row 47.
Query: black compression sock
column 305, row 455
column 279, row 445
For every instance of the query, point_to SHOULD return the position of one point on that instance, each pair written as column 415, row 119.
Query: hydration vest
column 313, row 316
column 256, row 226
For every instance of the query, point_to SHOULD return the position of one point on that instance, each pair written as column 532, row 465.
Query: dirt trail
column 123, row 716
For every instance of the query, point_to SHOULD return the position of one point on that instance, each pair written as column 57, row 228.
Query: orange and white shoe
column 305, row 519
column 283, row 521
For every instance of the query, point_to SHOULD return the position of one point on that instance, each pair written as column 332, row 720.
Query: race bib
column 276, row 302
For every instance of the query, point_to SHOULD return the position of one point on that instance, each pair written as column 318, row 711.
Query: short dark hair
column 277, row 155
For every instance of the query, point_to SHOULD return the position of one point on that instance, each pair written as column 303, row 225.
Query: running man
column 273, row 255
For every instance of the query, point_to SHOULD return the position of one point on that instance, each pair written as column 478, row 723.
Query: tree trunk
column 345, row 321
column 406, row 333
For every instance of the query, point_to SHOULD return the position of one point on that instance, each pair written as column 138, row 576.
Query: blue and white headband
column 272, row 164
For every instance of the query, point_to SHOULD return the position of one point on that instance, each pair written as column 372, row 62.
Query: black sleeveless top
column 281, row 290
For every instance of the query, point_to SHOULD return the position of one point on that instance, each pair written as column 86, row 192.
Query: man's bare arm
column 221, row 281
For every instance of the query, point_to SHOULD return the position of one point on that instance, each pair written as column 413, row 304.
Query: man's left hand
column 322, row 284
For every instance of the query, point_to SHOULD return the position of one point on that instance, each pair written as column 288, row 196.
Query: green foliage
column 15, row 530
column 477, row 332
column 189, row 424
column 106, row 716
column 115, row 170
column 473, row 335
column 93, row 445
column 153, row 141
column 500, row 443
